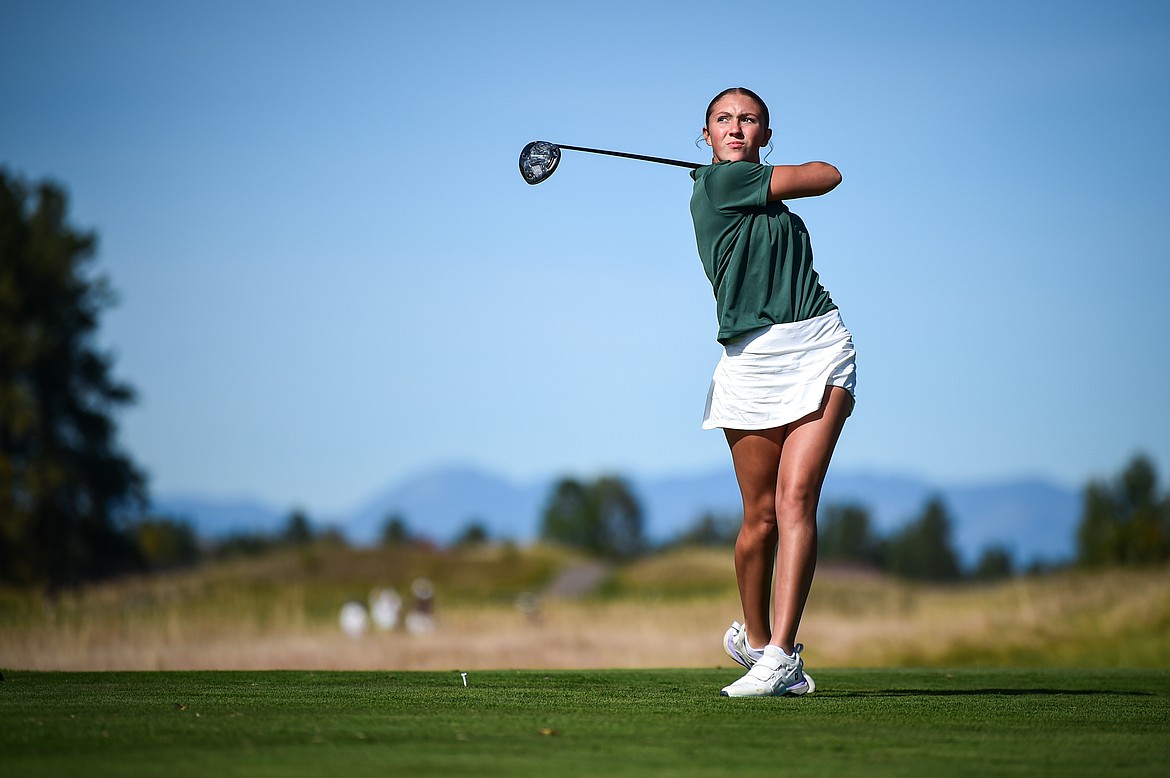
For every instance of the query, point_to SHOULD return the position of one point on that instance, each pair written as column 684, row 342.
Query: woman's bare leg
column 780, row 472
column 756, row 457
column 808, row 447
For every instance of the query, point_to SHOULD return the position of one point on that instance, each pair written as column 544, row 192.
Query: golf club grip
column 643, row 157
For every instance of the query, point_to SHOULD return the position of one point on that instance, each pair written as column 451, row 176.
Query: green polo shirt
column 757, row 254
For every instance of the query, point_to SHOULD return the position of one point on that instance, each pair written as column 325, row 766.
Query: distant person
column 421, row 618
column 783, row 386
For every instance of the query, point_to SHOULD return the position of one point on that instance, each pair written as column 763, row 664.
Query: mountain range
column 1035, row 519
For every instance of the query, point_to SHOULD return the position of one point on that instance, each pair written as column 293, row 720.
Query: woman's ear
column 706, row 136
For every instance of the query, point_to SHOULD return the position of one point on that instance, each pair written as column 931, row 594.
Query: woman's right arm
column 808, row 180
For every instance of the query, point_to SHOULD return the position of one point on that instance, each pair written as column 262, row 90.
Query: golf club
column 540, row 158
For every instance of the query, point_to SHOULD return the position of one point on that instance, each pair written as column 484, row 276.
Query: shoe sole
column 789, row 691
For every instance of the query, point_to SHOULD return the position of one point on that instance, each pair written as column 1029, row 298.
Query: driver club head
column 538, row 160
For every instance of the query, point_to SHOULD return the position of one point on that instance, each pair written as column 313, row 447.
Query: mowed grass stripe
column 583, row 723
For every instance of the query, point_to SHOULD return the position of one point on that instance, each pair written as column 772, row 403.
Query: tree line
column 75, row 507
column 603, row 517
column 1124, row 521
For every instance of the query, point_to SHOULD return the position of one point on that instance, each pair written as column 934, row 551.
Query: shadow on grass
column 989, row 693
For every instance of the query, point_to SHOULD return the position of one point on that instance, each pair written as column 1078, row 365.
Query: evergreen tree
column 922, row 549
column 1099, row 537
column 619, row 516
column 994, row 563
column 474, row 533
column 569, row 518
column 846, row 535
column 66, row 490
column 1125, row 523
column 711, row 529
column 298, row 530
column 602, row 517
column 395, row 530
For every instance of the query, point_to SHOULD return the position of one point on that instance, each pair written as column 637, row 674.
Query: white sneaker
column 736, row 645
column 773, row 675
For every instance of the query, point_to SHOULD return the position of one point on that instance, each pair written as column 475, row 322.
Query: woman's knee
column 798, row 501
column 758, row 524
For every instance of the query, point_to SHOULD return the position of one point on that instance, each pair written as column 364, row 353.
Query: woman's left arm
column 808, row 180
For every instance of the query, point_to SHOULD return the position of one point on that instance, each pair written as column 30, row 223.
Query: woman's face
column 735, row 129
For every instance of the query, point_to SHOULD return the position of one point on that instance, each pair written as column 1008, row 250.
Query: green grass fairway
column 583, row 723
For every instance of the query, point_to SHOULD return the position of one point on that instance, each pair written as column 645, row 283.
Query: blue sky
column 332, row 276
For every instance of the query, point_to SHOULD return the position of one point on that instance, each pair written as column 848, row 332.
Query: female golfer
column 783, row 386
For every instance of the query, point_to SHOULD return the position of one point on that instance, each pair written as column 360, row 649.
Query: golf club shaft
column 643, row 157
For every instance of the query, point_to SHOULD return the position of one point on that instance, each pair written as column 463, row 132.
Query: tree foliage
column 66, row 489
column 395, row 530
column 995, row 562
column 711, row 529
column 474, row 533
column 922, row 549
column 298, row 530
column 166, row 544
column 602, row 517
column 846, row 535
column 1125, row 522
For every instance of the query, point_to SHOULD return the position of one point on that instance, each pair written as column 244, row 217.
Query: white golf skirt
column 777, row 374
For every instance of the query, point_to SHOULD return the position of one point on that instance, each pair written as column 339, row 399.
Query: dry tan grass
column 568, row 634
column 669, row 610
column 1110, row 618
